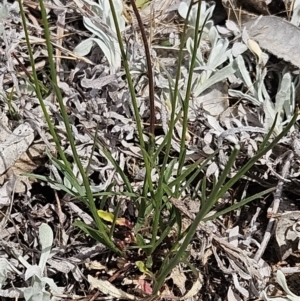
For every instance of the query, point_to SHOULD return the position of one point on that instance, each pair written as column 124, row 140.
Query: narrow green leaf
column 142, row 267
column 239, row 204
column 167, row 229
column 119, row 170
column 116, row 214
column 169, row 170
column 203, row 190
column 140, row 240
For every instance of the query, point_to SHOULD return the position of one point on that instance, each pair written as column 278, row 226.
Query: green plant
column 79, row 188
column 174, row 176
column 167, row 187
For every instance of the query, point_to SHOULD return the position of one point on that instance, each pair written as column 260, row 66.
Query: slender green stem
column 38, row 90
column 190, row 79
column 148, row 166
column 186, row 101
column 174, row 96
column 64, row 114
column 239, row 204
column 215, row 194
column 128, row 76
column 67, row 166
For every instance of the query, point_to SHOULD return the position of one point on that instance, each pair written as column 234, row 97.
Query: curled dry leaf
column 179, row 279
column 254, row 47
column 28, row 162
column 214, row 100
column 107, row 288
column 109, row 217
column 145, row 286
column 15, row 145
column 287, row 233
column 197, row 285
column 15, row 155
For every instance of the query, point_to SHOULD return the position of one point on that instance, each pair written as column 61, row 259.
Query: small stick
column 273, row 210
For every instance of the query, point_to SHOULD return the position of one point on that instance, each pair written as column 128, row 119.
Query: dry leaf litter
column 236, row 255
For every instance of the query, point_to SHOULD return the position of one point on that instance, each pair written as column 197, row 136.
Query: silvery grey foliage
column 34, row 274
column 290, row 296
column 8, row 11
column 296, row 13
column 257, row 94
column 103, row 27
column 205, row 16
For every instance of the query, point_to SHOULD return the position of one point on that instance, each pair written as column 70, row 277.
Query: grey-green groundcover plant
column 35, row 274
column 290, row 296
column 152, row 202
